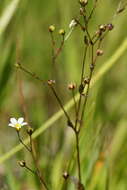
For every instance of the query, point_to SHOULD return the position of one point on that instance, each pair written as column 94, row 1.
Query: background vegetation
column 24, row 24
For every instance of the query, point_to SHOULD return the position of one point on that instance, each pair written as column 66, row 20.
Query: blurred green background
column 103, row 139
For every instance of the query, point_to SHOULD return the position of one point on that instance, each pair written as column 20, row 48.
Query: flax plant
column 92, row 42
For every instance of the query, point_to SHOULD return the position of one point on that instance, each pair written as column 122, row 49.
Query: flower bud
column 30, row 131
column 51, row 28
column 81, row 11
column 71, row 86
column 102, row 27
column 99, row 52
column 22, row 163
column 65, row 175
column 92, row 66
column 83, row 3
column 110, row 26
column 51, row 82
column 86, row 80
column 62, row 32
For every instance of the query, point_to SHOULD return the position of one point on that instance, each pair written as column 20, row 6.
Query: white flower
column 72, row 24
column 17, row 123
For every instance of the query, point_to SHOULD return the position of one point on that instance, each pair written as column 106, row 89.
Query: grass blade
column 7, row 15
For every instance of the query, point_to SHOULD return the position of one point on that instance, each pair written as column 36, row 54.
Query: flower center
column 17, row 126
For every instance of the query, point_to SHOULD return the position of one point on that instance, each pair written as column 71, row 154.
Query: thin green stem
column 30, row 73
column 88, row 85
column 80, row 98
column 92, row 11
column 78, row 155
column 75, row 103
column 21, row 141
column 32, row 171
column 59, row 49
column 61, row 105
column 42, row 181
column 53, row 90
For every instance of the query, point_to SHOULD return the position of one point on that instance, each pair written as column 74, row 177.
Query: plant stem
column 23, row 142
column 30, row 170
column 78, row 155
column 61, row 105
column 80, row 98
column 75, row 103
column 53, row 90
column 42, row 181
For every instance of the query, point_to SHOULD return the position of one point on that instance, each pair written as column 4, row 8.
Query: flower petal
column 13, row 121
column 11, row 125
column 72, row 24
column 20, row 120
column 24, row 123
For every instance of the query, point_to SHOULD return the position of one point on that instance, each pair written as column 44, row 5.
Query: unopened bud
column 86, row 80
column 83, row 3
column 51, row 28
column 102, row 27
column 30, row 131
column 110, row 26
column 65, row 175
column 17, row 65
column 22, row 163
column 51, row 82
column 99, row 52
column 81, row 11
column 71, row 86
column 92, row 66
column 62, row 32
